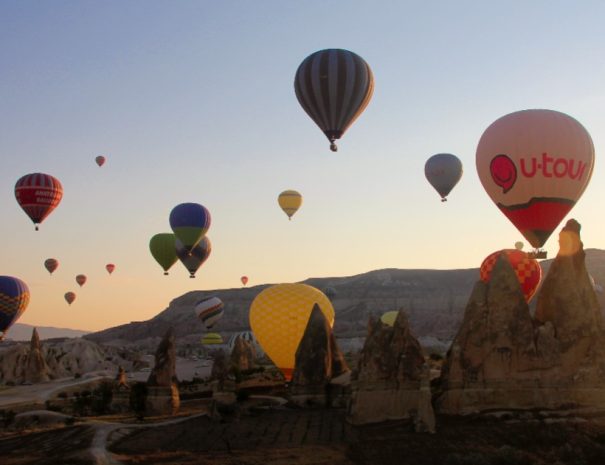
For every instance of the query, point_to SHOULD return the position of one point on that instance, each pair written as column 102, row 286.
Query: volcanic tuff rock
column 392, row 380
column 243, row 355
column 501, row 358
column 318, row 359
column 63, row 358
column 163, row 392
column 36, row 370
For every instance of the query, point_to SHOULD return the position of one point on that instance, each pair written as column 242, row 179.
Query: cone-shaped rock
column 122, row 380
column 163, row 393
column 242, row 355
column 392, row 381
column 318, row 358
column 502, row 358
column 36, row 369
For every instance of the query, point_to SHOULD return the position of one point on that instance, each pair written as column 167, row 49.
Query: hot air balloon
column 38, row 194
column 244, row 280
column 189, row 222
column 389, row 318
column 110, row 267
column 289, row 201
column 14, row 297
column 209, row 311
column 163, row 249
column 279, row 316
column 51, row 264
column 192, row 261
column 81, row 279
column 70, row 297
column 212, row 339
column 443, row 171
column 334, row 86
column 526, row 269
column 535, row 165
column 246, row 336
column 519, row 245
column 100, row 160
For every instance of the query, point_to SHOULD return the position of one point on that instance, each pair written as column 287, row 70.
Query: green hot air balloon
column 163, row 249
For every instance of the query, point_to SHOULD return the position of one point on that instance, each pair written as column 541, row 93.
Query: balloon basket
column 537, row 254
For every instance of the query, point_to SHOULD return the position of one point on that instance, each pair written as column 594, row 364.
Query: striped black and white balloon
column 334, row 86
column 209, row 311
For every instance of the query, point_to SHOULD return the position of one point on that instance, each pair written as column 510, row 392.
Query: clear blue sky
column 194, row 101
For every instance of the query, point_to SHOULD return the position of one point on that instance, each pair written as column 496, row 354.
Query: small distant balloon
column 212, row 339
column 81, row 279
column 70, row 297
column 290, row 201
column 209, row 311
column 519, row 245
column 100, row 160
column 194, row 259
column 51, row 264
column 244, row 280
column 189, row 222
column 14, row 298
column 38, row 194
column 110, row 267
column 163, row 249
column 443, row 171
column 389, row 318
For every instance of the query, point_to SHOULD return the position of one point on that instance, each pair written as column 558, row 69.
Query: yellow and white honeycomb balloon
column 279, row 316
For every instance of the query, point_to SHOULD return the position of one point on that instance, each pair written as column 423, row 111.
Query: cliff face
column 502, row 358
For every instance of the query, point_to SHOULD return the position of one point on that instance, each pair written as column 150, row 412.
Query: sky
column 193, row 101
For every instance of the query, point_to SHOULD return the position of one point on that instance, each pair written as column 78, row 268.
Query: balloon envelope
column 51, row 264
column 247, row 336
column 100, row 160
column 189, row 222
column 70, row 297
column 81, row 279
column 192, row 261
column 289, row 201
column 212, row 339
column 279, row 316
column 330, row 292
column 334, row 86
column 163, row 249
column 110, row 267
column 38, row 194
column 389, row 318
column 535, row 165
column 527, row 270
column 209, row 311
column 443, row 171
column 14, row 298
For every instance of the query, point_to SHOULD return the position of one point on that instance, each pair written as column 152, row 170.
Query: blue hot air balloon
column 14, row 297
column 189, row 222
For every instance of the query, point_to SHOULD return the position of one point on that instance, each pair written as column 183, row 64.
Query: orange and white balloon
column 527, row 270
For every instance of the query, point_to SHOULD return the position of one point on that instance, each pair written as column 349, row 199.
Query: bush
column 62, row 395
column 138, row 399
column 77, row 376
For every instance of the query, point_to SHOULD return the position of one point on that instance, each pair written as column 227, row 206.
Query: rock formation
column 36, row 370
column 163, row 392
column 502, row 358
column 243, row 355
column 122, row 380
column 392, row 380
column 318, row 361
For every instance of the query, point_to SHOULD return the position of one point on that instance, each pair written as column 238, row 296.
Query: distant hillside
column 433, row 299
column 23, row 332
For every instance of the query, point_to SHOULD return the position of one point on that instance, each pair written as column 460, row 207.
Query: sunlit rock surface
column 502, row 358
column 392, row 380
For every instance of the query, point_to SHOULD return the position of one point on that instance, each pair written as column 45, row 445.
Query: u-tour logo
column 504, row 171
